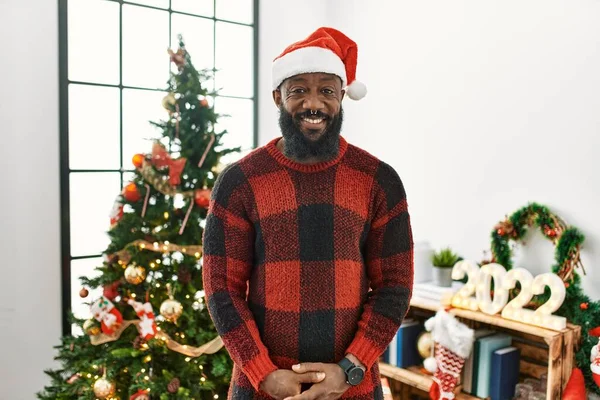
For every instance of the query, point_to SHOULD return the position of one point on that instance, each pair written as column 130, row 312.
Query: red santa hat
column 325, row 50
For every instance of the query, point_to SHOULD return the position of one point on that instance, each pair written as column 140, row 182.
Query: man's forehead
column 320, row 76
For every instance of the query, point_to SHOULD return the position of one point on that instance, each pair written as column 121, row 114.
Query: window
column 114, row 68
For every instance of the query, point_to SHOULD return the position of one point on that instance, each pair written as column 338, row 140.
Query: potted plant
column 443, row 261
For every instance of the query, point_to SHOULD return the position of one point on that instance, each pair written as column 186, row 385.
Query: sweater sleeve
column 227, row 264
column 389, row 262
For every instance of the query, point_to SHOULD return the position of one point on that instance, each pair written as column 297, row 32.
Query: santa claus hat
column 325, row 50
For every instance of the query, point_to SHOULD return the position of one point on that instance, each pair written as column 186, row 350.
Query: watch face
column 355, row 376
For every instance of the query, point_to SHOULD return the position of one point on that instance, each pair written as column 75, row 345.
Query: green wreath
column 577, row 307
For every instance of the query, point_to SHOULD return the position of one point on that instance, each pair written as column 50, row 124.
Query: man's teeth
column 314, row 120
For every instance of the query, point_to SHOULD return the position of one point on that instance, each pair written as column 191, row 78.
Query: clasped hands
column 329, row 382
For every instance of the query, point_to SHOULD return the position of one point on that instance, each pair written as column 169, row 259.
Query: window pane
column 236, row 10
column 154, row 3
column 145, row 42
column 94, row 41
column 239, row 124
column 93, row 127
column 199, row 7
column 139, row 108
column 234, row 60
column 85, row 267
column 198, row 35
column 92, row 198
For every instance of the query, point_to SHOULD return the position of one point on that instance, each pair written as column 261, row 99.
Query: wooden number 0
column 486, row 274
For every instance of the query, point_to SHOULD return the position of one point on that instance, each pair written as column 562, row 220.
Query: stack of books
column 430, row 293
column 492, row 369
column 402, row 351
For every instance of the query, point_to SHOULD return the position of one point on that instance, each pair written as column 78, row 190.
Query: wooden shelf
column 413, row 377
column 544, row 351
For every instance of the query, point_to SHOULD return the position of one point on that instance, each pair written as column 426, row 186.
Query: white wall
column 30, row 316
column 482, row 107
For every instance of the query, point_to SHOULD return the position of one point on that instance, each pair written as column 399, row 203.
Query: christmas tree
column 150, row 335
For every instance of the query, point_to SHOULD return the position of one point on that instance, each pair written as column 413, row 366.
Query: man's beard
column 298, row 147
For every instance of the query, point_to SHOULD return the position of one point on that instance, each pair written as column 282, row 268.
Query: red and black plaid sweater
column 306, row 263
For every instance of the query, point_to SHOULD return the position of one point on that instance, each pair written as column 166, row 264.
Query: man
column 308, row 251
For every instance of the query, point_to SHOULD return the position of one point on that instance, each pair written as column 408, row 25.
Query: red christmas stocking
column 446, row 377
column 453, row 344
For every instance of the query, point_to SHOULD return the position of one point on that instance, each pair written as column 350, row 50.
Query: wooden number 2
column 463, row 298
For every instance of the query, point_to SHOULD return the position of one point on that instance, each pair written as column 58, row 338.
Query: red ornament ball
column 111, row 290
column 501, row 232
column 202, row 198
column 83, row 293
column 131, row 193
column 584, row 306
column 551, row 233
column 138, row 160
column 204, row 103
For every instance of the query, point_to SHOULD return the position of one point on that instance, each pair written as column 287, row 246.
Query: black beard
column 298, row 147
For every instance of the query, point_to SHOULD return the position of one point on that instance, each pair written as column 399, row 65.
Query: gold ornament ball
column 104, row 388
column 171, row 309
column 83, row 293
column 90, row 327
column 135, row 274
column 424, row 343
column 169, row 101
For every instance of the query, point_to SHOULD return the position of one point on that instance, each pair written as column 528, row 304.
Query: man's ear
column 343, row 93
column 277, row 97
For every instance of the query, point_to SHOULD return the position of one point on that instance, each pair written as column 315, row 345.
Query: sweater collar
column 282, row 159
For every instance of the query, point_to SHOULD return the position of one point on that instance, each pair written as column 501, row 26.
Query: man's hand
column 284, row 383
column 332, row 387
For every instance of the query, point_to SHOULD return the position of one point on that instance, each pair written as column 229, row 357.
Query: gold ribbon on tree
column 191, row 351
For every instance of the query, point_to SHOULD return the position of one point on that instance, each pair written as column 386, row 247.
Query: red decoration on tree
column 138, row 160
column 131, row 193
column 595, row 331
column 111, row 290
column 584, row 306
column 204, row 103
column 202, row 198
column 178, row 58
column 575, row 389
column 83, row 293
column 501, row 232
column 116, row 213
column 105, row 312
column 161, row 159
column 141, row 394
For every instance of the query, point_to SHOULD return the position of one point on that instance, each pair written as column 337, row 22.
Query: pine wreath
column 577, row 307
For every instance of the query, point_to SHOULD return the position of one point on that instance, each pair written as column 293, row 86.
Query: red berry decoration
column 131, row 193
column 202, row 198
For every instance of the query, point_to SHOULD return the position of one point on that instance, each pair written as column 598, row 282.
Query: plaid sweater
column 306, row 263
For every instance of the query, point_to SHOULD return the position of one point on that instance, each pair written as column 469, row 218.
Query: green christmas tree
column 151, row 336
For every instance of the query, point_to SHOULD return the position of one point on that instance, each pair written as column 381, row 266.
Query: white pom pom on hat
column 325, row 50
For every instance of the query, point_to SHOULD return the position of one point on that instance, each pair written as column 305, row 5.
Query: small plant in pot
column 443, row 261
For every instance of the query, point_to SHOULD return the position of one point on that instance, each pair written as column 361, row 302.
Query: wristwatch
column 354, row 374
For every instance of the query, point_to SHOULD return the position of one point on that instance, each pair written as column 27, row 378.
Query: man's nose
column 313, row 102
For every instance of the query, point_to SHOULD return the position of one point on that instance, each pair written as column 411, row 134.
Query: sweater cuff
column 365, row 351
column 258, row 368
